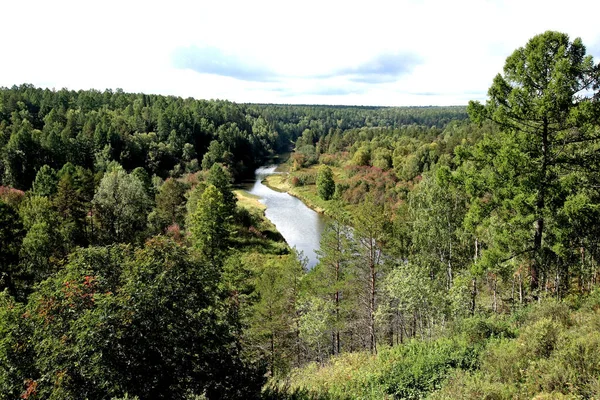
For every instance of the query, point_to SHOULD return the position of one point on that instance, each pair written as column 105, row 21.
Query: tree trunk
column 337, row 309
column 474, row 280
column 538, row 225
column 373, row 344
column 272, row 353
column 520, row 289
column 473, row 294
column 495, row 298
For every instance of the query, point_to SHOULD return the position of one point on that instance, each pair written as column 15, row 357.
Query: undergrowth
column 549, row 350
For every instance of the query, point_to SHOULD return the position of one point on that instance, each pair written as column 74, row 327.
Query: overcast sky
column 393, row 53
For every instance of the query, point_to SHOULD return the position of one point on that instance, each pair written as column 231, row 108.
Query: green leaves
column 210, row 224
column 541, row 155
column 121, row 203
column 149, row 322
column 325, row 183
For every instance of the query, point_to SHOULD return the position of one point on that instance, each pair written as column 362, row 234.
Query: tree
column 170, row 206
column 546, row 147
column 213, row 155
column 325, row 183
column 437, row 209
column 69, row 202
column 315, row 323
column 21, row 154
column 332, row 276
column 210, row 224
column 11, row 238
column 121, row 203
column 149, row 322
column 42, row 242
column 45, row 181
column 220, row 178
column 143, row 176
column 275, row 319
column 371, row 228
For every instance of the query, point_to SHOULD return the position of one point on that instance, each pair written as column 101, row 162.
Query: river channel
column 300, row 226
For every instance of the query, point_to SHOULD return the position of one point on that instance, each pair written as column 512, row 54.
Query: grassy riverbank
column 261, row 233
column 280, row 182
column 308, row 194
column 248, row 200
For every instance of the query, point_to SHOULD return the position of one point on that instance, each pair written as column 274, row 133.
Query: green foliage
column 16, row 359
column 302, row 179
column 325, row 183
column 170, row 206
column 546, row 127
column 45, row 181
column 362, row 157
column 141, row 174
column 315, row 322
column 148, row 322
column 549, row 358
column 11, row 238
column 274, row 320
column 121, row 205
column 411, row 371
column 482, row 213
column 210, row 224
column 477, row 330
column 43, row 244
column 220, row 178
column 304, row 156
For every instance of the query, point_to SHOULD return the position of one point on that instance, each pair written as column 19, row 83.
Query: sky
column 386, row 53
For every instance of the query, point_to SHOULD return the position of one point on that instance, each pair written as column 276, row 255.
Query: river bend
column 300, row 226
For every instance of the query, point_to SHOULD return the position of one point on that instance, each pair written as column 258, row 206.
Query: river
column 300, row 226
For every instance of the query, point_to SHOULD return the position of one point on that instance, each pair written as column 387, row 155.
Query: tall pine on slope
column 545, row 153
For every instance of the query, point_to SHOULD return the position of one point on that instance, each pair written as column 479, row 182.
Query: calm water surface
column 300, row 226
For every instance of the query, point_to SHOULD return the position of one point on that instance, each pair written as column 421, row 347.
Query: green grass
column 254, row 231
column 248, row 200
column 307, row 193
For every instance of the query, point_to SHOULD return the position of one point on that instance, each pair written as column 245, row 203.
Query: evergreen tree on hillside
column 545, row 153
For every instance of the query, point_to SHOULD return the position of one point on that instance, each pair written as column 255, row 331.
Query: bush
column 302, row 179
column 422, row 367
column 329, row 159
column 541, row 338
column 504, row 361
column 549, row 309
column 478, row 330
column 592, row 302
column 465, row 385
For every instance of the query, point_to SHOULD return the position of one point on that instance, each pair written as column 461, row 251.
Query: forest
column 460, row 257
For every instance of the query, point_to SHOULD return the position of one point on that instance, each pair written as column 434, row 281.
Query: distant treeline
column 166, row 135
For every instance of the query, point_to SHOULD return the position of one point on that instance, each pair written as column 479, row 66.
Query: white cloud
column 459, row 46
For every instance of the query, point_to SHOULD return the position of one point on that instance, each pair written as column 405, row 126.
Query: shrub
column 478, row 330
column 422, row 367
column 549, row 309
column 329, row 159
column 302, row 179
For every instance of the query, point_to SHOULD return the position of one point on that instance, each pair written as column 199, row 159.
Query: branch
column 516, row 255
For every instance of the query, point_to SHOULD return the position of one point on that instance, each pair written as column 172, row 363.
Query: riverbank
column 293, row 216
column 262, row 232
column 306, row 194
column 249, row 201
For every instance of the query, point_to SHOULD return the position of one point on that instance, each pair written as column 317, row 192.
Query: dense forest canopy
column 458, row 238
column 167, row 136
